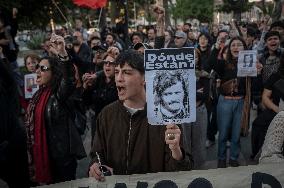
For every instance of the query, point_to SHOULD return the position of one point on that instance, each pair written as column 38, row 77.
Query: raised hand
column 57, row 46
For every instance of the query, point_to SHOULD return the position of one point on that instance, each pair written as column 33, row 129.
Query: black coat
column 64, row 142
column 13, row 149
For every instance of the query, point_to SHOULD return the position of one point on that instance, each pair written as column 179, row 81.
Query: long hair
column 231, row 61
column 56, row 72
column 32, row 56
column 208, row 38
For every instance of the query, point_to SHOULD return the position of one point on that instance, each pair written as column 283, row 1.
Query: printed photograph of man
column 30, row 84
column 171, row 95
column 248, row 60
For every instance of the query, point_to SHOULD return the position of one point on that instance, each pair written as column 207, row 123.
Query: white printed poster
column 30, row 85
column 170, row 86
column 247, row 63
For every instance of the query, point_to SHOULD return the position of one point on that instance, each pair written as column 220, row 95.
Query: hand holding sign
column 247, row 63
column 172, row 138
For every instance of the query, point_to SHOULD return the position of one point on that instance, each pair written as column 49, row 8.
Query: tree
column 277, row 11
column 199, row 9
column 36, row 14
column 235, row 6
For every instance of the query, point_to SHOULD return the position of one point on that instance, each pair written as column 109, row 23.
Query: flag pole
column 99, row 21
column 53, row 1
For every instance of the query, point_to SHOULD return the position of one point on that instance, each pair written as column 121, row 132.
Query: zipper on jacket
column 128, row 144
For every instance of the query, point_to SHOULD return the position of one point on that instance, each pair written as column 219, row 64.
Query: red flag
column 94, row 4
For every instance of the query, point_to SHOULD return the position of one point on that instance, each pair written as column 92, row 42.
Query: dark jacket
column 227, row 72
column 129, row 145
column 101, row 94
column 84, row 58
column 269, row 67
column 64, row 142
column 13, row 149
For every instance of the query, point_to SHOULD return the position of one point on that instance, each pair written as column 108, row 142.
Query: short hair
column 113, row 35
column 222, row 31
column 155, row 31
column 134, row 59
column 279, row 23
column 189, row 24
column 166, row 79
column 140, row 35
column 95, row 38
column 270, row 34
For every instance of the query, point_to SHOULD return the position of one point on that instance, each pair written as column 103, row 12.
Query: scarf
column 39, row 166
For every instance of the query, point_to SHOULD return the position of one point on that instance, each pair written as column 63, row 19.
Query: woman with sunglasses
column 100, row 90
column 53, row 144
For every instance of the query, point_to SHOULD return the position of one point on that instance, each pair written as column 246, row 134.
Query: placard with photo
column 30, row 85
column 247, row 63
column 170, row 86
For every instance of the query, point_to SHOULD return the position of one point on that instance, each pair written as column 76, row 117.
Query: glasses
column 179, row 37
column 42, row 68
column 108, row 62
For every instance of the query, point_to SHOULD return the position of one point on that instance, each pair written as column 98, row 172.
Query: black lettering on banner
column 142, row 184
column 200, row 183
column 165, row 184
column 259, row 178
column 120, row 185
column 169, row 59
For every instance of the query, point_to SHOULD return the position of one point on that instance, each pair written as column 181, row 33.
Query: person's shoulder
column 110, row 111
column 116, row 105
column 85, row 46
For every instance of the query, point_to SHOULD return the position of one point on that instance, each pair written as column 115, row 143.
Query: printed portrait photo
column 248, row 60
column 171, row 95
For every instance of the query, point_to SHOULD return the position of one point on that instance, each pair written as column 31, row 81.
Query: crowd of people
column 99, row 79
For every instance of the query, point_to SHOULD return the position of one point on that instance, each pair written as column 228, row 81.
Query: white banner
column 241, row 177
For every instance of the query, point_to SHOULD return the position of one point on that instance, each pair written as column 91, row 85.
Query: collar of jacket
column 122, row 107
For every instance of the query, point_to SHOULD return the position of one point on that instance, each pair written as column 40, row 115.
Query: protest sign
column 247, row 63
column 170, row 85
column 30, row 85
